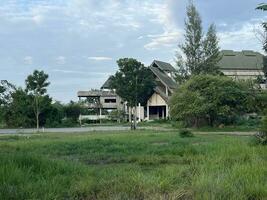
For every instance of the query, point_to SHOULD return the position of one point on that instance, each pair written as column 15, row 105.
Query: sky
column 77, row 42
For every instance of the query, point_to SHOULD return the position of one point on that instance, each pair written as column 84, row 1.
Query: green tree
column 192, row 48
column 211, row 99
column 133, row 83
column 19, row 112
column 72, row 111
column 201, row 54
column 36, row 85
column 211, row 51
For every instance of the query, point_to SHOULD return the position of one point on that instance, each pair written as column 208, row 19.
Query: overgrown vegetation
column 185, row 133
column 21, row 108
column 215, row 100
column 261, row 136
column 145, row 165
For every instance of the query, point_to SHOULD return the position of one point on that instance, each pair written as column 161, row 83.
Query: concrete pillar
column 163, row 117
column 147, row 111
column 139, row 114
column 167, row 111
column 100, row 114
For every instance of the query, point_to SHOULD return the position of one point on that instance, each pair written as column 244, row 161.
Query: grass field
column 131, row 165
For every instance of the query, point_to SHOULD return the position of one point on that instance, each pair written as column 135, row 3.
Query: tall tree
column 36, row 85
column 192, row 48
column 201, row 54
column 211, row 52
column 133, row 83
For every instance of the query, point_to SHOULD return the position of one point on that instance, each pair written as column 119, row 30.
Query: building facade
column 242, row 64
column 106, row 100
column 238, row 65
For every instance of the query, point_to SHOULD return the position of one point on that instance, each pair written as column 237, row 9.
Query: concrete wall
column 156, row 100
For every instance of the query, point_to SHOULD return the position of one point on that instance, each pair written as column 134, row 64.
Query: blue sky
column 77, row 42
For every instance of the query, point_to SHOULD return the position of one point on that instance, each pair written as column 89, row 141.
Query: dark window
column 110, row 100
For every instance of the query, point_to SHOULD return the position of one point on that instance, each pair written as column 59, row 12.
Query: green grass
column 132, row 165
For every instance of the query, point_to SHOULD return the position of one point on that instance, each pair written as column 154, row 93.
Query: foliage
column 36, row 85
column 211, row 99
column 19, row 112
column 261, row 136
column 117, row 115
column 147, row 165
column 262, row 6
column 133, row 82
column 72, row 111
column 185, row 133
column 201, row 53
column 211, row 52
column 192, row 48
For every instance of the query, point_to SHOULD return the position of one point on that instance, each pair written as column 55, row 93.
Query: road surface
column 109, row 128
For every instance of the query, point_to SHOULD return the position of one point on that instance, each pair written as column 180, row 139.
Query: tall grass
column 140, row 165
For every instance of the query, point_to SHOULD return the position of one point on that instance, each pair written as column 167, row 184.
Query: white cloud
column 99, row 58
column 242, row 36
column 167, row 39
column 78, row 72
column 61, row 60
column 28, row 60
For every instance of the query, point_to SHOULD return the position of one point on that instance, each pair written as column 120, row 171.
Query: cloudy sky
column 77, row 42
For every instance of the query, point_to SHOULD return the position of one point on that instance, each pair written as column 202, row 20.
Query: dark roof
column 241, row 60
column 163, row 77
column 164, row 66
column 107, row 83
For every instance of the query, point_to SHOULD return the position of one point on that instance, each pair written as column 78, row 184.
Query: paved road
column 66, row 130
column 108, row 128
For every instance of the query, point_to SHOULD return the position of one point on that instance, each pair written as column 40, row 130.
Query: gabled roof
column 107, row 83
column 168, row 81
column 246, row 60
column 164, row 66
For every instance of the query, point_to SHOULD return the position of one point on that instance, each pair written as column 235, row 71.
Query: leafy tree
column 72, row 111
column 201, row 53
column 19, row 112
column 5, row 91
column 211, row 99
column 36, row 85
column 133, row 83
column 211, row 52
column 53, row 114
column 192, row 48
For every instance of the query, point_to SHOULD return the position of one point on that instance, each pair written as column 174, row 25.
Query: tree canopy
column 200, row 53
column 133, row 82
column 36, row 85
column 212, row 100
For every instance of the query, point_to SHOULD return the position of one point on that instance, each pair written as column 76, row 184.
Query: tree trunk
column 37, row 112
column 37, row 122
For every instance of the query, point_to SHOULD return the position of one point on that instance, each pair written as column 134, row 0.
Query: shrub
column 186, row 133
column 261, row 136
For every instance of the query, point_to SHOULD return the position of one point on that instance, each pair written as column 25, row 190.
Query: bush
column 185, row 133
column 261, row 136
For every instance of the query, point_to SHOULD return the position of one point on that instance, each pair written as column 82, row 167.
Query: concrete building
column 242, row 65
column 238, row 65
column 157, row 107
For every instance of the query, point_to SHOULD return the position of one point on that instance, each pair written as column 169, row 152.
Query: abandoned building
column 238, row 65
column 105, row 99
